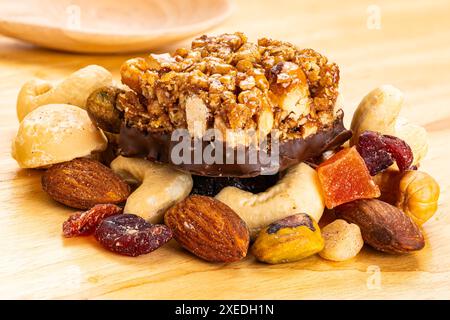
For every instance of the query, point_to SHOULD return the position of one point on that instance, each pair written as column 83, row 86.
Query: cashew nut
column 379, row 110
column 298, row 191
column 416, row 137
column 73, row 90
column 343, row 241
column 56, row 133
column 160, row 186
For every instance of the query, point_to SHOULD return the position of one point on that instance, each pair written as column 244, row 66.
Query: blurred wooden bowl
column 108, row 26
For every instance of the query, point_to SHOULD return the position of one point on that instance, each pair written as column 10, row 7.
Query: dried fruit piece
column 400, row 150
column 372, row 149
column 379, row 151
column 289, row 239
column 344, row 178
column 83, row 183
column 211, row 186
column 84, row 223
column 130, row 235
column 383, row 226
column 209, row 229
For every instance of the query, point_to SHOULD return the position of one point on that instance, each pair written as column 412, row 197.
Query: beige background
column 410, row 51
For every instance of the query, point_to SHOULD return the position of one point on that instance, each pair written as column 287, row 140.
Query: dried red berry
column 400, row 150
column 83, row 223
column 130, row 235
column 379, row 151
column 372, row 149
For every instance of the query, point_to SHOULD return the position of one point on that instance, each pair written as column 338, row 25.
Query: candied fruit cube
column 345, row 177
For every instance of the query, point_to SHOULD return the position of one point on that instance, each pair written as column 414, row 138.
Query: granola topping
column 235, row 84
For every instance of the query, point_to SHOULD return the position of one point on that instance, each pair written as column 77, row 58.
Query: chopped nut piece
column 196, row 116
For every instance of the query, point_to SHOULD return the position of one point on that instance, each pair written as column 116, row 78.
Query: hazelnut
column 418, row 196
column 414, row 192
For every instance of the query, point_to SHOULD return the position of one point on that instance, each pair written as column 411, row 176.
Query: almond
column 83, row 183
column 383, row 226
column 209, row 229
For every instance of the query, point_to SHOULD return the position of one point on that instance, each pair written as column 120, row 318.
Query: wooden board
column 411, row 51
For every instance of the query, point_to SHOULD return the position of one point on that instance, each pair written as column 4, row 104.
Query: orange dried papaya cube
column 345, row 177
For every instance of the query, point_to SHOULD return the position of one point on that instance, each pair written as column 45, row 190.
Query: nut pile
column 134, row 206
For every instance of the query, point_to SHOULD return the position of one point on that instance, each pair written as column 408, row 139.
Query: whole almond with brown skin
column 383, row 226
column 209, row 229
column 83, row 183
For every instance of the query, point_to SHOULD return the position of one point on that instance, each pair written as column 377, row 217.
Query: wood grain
column 410, row 51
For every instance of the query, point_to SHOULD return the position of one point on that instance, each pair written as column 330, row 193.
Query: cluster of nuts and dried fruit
column 372, row 187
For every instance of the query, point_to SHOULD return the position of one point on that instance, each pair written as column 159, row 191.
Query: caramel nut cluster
column 236, row 84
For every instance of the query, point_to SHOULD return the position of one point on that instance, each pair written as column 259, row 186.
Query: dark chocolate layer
column 158, row 147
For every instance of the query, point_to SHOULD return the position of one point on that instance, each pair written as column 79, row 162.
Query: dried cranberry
column 373, row 150
column 379, row 151
column 130, row 235
column 400, row 150
column 83, row 223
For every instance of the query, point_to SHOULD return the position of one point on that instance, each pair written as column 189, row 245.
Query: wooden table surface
column 410, row 49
